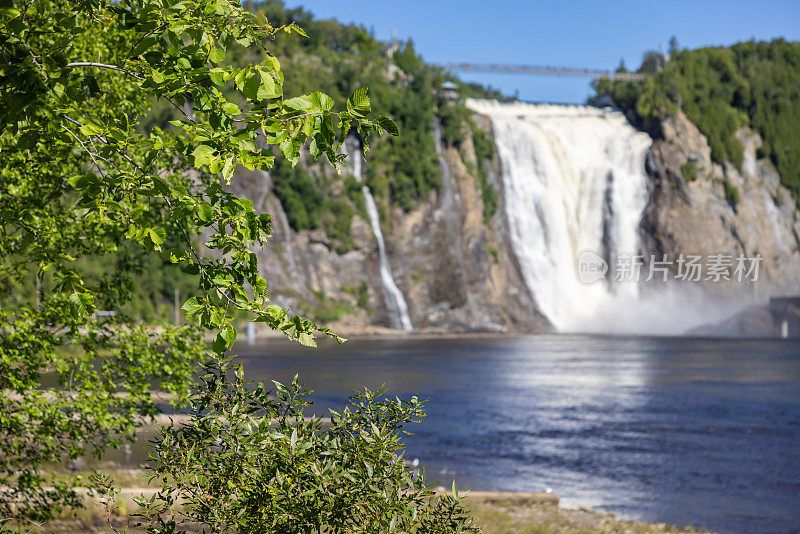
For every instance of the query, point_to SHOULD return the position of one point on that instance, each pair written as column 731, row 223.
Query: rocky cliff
column 698, row 206
column 456, row 272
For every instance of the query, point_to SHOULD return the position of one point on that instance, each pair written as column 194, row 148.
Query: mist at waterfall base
column 573, row 179
column 670, row 309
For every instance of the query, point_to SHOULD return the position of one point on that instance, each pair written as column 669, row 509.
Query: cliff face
column 700, row 207
column 455, row 272
column 458, row 273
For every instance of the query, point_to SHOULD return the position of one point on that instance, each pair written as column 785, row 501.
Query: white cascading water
column 573, row 181
column 392, row 296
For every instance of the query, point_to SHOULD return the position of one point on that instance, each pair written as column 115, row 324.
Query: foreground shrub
column 248, row 461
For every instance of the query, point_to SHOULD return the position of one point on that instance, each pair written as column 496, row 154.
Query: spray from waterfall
column 574, row 181
column 392, row 296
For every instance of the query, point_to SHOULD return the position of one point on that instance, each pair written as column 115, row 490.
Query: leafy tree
column 722, row 89
column 674, row 47
column 484, row 151
column 87, row 173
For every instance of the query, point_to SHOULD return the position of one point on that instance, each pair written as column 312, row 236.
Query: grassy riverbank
column 496, row 512
column 513, row 516
column 495, row 518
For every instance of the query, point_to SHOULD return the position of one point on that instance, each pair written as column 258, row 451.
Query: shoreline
column 380, row 333
column 498, row 512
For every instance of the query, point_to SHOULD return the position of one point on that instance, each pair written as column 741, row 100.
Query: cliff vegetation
column 722, row 89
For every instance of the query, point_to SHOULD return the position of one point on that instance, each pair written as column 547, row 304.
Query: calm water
column 687, row 431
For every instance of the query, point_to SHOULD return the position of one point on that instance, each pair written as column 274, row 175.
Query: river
column 701, row 432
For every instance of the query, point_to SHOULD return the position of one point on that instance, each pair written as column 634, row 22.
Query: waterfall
column 574, row 186
column 573, row 181
column 392, row 296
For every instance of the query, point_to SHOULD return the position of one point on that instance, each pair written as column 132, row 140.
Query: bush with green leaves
column 484, row 152
column 250, row 460
column 82, row 177
column 731, row 193
column 689, row 171
column 104, row 372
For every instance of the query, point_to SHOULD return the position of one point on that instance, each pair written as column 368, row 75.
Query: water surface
column 689, row 431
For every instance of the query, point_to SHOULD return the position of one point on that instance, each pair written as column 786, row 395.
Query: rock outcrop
column 701, row 207
column 752, row 322
column 456, row 272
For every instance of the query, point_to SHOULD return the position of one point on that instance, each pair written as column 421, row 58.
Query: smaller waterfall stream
column 392, row 296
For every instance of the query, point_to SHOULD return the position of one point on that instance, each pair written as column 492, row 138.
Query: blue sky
column 590, row 34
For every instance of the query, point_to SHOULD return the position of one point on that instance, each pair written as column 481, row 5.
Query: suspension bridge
column 546, row 70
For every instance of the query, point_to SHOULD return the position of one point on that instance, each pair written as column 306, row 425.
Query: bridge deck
column 537, row 69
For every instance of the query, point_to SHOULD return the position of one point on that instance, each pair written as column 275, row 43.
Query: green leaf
column 228, row 333
column 192, row 306
column 157, row 235
column 203, row 154
column 218, row 345
column 307, row 339
column 79, row 304
column 191, row 268
column 299, row 103
column 80, row 181
column 91, row 129
column 231, row 109
column 143, row 46
column 308, row 125
column 358, row 103
column 217, row 55
column 321, row 101
column 387, row 124
column 314, row 150
column 268, row 88
column 160, row 186
column 251, row 86
column 240, row 78
column 297, row 29
column 8, row 12
column 228, row 168
column 217, row 76
column 205, row 212
column 272, row 63
column 244, row 142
